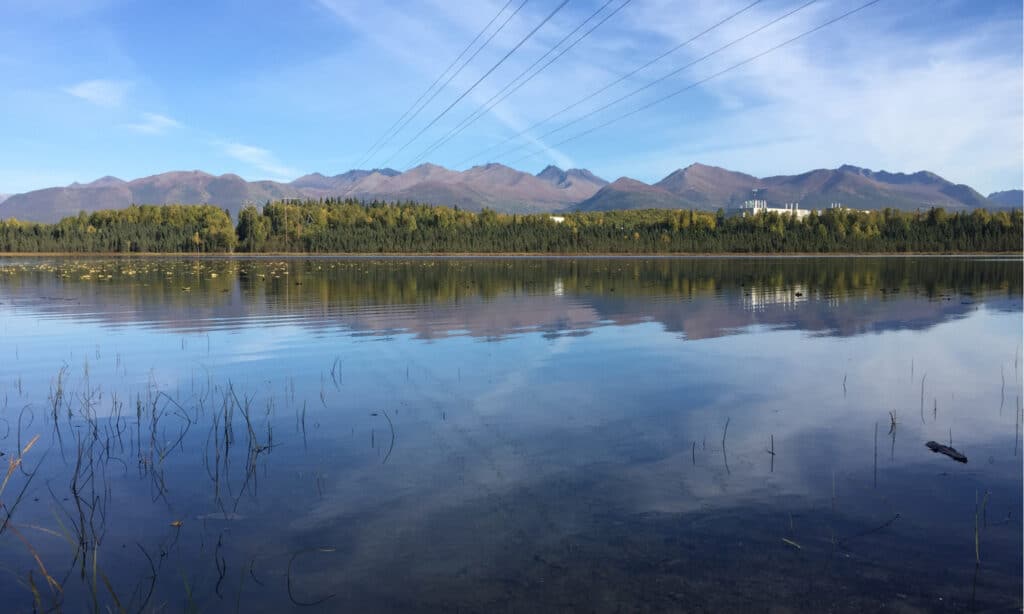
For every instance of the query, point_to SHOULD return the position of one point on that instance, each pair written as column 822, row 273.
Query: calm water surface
column 511, row 434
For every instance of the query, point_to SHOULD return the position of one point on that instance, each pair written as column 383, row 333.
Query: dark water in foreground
column 511, row 435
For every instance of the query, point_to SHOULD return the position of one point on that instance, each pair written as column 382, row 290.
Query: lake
column 528, row 434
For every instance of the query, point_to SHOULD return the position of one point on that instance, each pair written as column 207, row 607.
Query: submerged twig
column 876, row 455
column 391, row 425
column 725, row 457
column 291, row 595
column 1002, row 390
column 880, row 527
column 977, row 537
column 922, row 397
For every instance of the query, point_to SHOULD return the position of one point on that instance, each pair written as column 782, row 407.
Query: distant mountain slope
column 581, row 183
column 859, row 188
column 493, row 185
column 626, row 193
column 506, row 189
column 228, row 191
column 709, row 187
column 316, row 181
column 1006, row 198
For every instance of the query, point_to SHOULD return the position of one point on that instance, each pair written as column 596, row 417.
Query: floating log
column 948, row 451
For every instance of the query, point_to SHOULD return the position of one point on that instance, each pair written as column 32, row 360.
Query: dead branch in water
column 947, row 450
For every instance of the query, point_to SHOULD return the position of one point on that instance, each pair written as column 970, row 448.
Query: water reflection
column 439, row 435
column 698, row 298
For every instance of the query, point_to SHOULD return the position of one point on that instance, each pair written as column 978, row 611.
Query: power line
column 484, row 76
column 487, row 106
column 705, row 79
column 505, row 92
column 388, row 135
column 615, row 82
column 668, row 75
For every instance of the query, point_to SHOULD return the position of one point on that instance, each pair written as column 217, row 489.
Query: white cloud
column 868, row 90
column 898, row 86
column 259, row 158
column 908, row 105
column 102, row 92
column 154, row 123
column 862, row 91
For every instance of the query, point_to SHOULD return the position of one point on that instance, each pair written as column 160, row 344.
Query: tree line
column 146, row 228
column 351, row 226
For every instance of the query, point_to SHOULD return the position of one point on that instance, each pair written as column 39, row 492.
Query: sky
column 275, row 90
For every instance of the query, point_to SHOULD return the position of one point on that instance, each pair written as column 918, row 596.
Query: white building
column 842, row 207
column 759, row 299
column 753, row 207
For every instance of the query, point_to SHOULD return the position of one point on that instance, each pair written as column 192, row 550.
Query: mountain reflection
column 494, row 298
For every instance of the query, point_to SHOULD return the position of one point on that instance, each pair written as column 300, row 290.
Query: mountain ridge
column 506, row 189
column 704, row 186
column 1008, row 198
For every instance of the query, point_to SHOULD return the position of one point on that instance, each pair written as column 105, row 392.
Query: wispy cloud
column 102, row 92
column 900, row 86
column 431, row 48
column 911, row 103
column 258, row 158
column 154, row 123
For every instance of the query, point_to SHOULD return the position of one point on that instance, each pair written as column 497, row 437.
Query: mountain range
column 506, row 189
column 1008, row 198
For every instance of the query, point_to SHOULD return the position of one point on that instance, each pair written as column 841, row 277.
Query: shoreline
column 486, row 255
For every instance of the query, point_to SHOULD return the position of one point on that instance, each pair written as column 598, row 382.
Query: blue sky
column 273, row 90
